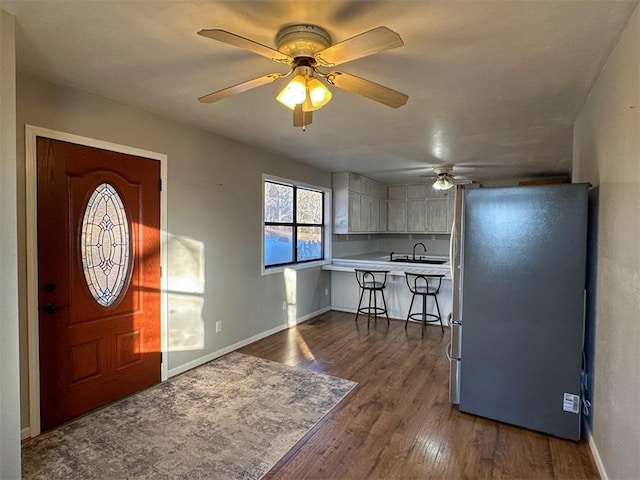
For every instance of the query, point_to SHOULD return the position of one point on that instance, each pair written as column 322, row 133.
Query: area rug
column 232, row 418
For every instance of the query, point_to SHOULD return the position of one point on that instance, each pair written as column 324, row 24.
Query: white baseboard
column 353, row 310
column 25, row 433
column 595, row 453
column 212, row 356
column 311, row 315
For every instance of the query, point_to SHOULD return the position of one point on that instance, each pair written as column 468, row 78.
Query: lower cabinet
column 345, row 296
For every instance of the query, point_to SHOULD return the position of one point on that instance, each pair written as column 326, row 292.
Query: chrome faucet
column 414, row 249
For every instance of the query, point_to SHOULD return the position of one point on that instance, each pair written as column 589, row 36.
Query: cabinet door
column 383, row 215
column 380, row 190
column 397, row 192
column 437, row 215
column 368, row 186
column 365, row 214
column 417, row 191
column 397, row 216
column 374, row 214
column 355, row 183
column 354, row 213
column 416, row 215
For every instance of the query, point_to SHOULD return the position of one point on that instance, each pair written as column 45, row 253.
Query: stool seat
column 374, row 282
column 424, row 286
column 424, row 291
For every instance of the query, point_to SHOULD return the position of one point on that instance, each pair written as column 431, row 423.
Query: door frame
column 31, row 134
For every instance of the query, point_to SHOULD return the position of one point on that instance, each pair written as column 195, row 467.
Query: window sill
column 295, row 266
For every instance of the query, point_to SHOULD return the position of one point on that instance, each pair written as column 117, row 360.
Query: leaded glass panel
column 105, row 245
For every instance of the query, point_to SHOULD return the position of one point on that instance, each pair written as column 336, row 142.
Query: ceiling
column 494, row 86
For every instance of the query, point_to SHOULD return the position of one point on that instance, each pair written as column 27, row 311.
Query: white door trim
column 31, row 133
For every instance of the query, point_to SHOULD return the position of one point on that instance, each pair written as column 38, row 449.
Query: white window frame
column 327, row 227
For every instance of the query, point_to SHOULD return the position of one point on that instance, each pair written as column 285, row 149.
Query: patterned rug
column 232, row 418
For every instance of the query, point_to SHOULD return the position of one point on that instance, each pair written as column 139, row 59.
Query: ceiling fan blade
column 301, row 118
column 241, row 87
column 368, row 43
column 368, row 89
column 255, row 47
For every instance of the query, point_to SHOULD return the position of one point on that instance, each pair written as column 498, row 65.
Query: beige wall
column 607, row 154
column 214, row 216
column 9, row 391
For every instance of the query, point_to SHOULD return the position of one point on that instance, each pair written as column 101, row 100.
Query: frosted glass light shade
column 318, row 93
column 442, row 183
column 294, row 93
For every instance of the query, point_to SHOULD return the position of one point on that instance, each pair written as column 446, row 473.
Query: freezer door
column 455, row 346
column 524, row 253
column 454, row 381
column 453, row 349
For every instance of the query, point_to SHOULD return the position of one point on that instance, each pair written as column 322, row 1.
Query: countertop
column 380, row 261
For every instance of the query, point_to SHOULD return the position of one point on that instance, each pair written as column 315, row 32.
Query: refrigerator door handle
column 452, row 248
column 447, row 351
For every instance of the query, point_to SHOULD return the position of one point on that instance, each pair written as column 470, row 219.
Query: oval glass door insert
column 105, row 245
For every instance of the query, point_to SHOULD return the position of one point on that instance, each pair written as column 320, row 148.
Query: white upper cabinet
column 362, row 205
column 397, row 192
column 416, row 215
column 355, row 183
column 417, row 191
column 359, row 204
column 397, row 216
column 418, row 208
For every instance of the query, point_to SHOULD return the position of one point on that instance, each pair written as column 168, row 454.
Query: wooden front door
column 99, row 277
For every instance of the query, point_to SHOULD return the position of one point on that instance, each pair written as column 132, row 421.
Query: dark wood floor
column 398, row 423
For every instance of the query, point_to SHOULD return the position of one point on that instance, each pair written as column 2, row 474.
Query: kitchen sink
column 407, row 259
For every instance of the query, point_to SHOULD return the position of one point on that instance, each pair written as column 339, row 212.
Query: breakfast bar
column 344, row 288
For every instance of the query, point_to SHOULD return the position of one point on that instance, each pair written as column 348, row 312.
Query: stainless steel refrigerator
column 518, row 258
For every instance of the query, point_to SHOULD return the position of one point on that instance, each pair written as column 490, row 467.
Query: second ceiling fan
column 305, row 48
column 444, row 178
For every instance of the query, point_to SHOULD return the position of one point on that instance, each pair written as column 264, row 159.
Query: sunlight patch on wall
column 290, row 286
column 186, row 293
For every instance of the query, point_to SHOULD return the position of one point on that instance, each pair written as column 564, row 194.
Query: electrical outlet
column 218, row 326
column 433, row 237
column 326, row 292
column 284, row 305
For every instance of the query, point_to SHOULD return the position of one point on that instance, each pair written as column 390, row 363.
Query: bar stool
column 373, row 281
column 425, row 286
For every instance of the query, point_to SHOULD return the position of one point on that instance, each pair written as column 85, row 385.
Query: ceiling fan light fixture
column 442, row 183
column 294, row 93
column 318, row 93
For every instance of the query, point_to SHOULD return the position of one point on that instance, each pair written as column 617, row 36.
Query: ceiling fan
column 305, row 48
column 444, row 179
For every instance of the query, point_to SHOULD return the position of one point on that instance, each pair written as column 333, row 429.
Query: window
column 105, row 245
column 294, row 229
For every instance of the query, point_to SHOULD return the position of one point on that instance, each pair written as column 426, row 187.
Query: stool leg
column 435, row 297
column 369, row 310
column 413, row 297
column 424, row 314
column 375, row 305
column 359, row 304
column 384, row 302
